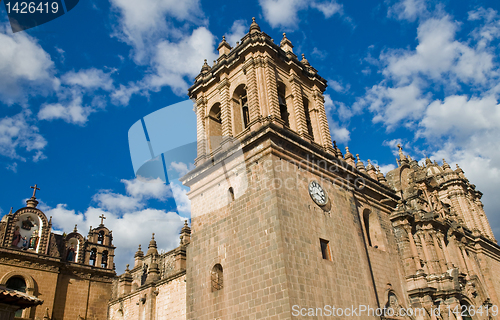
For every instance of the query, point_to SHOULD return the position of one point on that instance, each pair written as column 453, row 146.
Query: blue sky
column 422, row 73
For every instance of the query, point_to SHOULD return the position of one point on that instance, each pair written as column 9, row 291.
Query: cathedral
column 295, row 228
column 284, row 225
column 70, row 275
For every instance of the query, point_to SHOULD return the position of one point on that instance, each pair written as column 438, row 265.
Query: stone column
column 442, row 262
column 225, row 108
column 201, row 135
column 461, row 261
column 324, row 132
column 468, row 265
column 428, row 261
column 298, row 105
column 445, row 251
column 252, row 92
column 458, row 201
column 272, row 88
column 413, row 248
column 483, row 219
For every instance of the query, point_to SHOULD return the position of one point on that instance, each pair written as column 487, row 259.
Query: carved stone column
column 252, row 92
column 445, row 251
column 428, row 260
column 324, row 131
column 225, row 107
column 439, row 252
column 272, row 88
column 201, row 136
column 413, row 248
column 298, row 105
column 483, row 219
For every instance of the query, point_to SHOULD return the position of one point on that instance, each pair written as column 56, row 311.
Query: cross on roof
column 34, row 190
column 102, row 218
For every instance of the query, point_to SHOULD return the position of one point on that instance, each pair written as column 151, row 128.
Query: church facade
column 72, row 274
column 297, row 229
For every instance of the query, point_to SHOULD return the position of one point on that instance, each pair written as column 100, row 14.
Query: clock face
column 317, row 193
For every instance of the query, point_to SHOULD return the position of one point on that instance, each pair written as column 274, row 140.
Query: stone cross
column 102, row 218
column 34, row 190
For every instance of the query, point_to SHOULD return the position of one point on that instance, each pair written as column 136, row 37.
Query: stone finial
column 75, row 230
column 370, row 169
column 338, row 153
column 427, row 161
column 380, row 176
column 185, row 234
column 153, row 271
column 205, row 68
column 460, row 172
column 304, row 61
column 348, row 157
column 152, row 248
column 10, row 212
column 359, row 164
column 254, row 27
column 139, row 253
column 126, row 267
column 224, row 48
column 286, row 44
column 446, row 167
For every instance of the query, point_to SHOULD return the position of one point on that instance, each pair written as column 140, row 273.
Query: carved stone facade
column 70, row 273
column 283, row 222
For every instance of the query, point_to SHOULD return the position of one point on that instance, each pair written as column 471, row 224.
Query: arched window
column 215, row 126
column 217, row 278
column 104, row 259
column 230, row 191
column 100, row 237
column 305, row 102
column 93, row 257
column 373, row 230
column 241, row 113
column 17, row 283
column 144, row 275
column 464, row 309
column 282, row 103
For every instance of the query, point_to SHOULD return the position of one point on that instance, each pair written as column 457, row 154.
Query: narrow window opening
column 245, row 112
column 231, row 194
column 325, row 249
column 308, row 117
column 144, row 274
column 366, row 220
column 100, row 237
column 282, row 104
column 93, row 257
column 104, row 260
column 217, row 278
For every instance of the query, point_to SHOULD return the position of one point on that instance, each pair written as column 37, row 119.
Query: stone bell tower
column 275, row 208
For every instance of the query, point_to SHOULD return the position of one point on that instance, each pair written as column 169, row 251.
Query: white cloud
column 129, row 228
column 174, row 61
column 181, row 199
column 284, row 13
column 439, row 56
column 71, row 112
column 408, row 9
column 142, row 188
column 12, row 167
column 338, row 133
column 16, row 134
column 123, row 94
column 89, row 79
column 142, row 26
column 238, row 30
column 117, row 202
column 23, row 62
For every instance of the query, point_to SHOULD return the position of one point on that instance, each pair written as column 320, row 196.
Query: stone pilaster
column 225, row 107
column 200, row 130
column 428, row 260
column 324, row 131
column 252, row 92
column 298, row 105
column 272, row 88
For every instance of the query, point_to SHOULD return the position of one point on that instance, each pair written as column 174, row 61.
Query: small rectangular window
column 325, row 249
